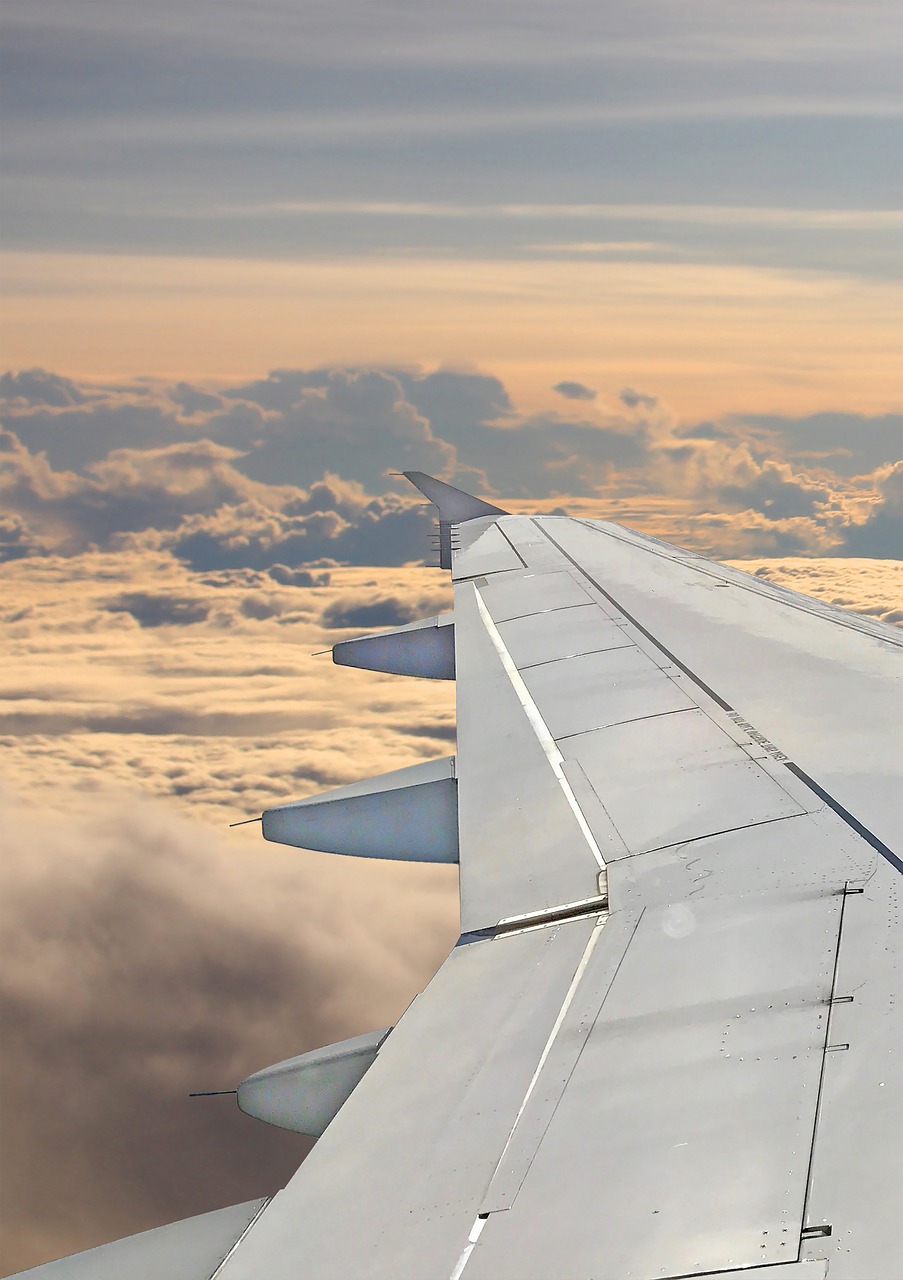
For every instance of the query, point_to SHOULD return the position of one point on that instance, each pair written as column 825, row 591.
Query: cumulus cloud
column 574, row 391
column 150, row 610
column 730, row 476
column 846, row 444
column 16, row 539
column 220, row 518
column 76, row 425
column 370, row 614
column 880, row 535
column 252, row 535
column 358, row 423
column 287, row 577
column 108, row 697
column 452, row 399
column 127, row 491
column 40, row 386
column 148, row 949
column 290, row 427
column 292, row 469
column 870, row 587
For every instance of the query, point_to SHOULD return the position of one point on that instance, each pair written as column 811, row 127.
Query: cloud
column 288, row 428
column 75, row 425
column 387, row 611
column 451, row 399
column 252, row 536
column 880, row 535
column 128, row 490
column 848, row 444
column 219, row 518
column 145, row 706
column 146, row 959
column 703, row 431
column 574, row 391
column 870, row 587
column 632, row 399
column 293, row 469
column 151, row 610
column 39, row 386
column 771, row 488
column 297, row 577
column 357, row 423
column 16, row 539
column 146, row 947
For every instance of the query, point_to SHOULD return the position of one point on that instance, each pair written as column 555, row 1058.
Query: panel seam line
column 222, row 1262
column 819, row 1096
column 538, row 724
column 482, row 1219
column 553, row 1034
column 725, row 706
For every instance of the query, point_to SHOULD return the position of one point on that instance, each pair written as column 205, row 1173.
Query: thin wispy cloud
column 604, row 246
column 699, row 215
column 124, row 132
column 273, row 128
column 502, row 33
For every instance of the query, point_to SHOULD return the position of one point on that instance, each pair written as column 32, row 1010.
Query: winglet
column 454, row 505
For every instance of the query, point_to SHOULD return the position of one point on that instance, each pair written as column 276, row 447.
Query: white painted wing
column 668, row 1042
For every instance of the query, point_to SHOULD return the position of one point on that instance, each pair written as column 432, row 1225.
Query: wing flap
column 192, row 1249
column 395, row 1184
column 675, row 1140
column 857, row 1161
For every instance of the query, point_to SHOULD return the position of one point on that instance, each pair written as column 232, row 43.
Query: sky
column 699, row 195
column 630, row 262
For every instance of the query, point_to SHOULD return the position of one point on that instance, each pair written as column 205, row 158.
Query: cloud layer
column 293, row 469
column 149, row 950
column 146, row 958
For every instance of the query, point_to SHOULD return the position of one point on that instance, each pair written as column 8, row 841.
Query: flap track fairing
column 410, row 815
column 305, row 1093
column 425, row 649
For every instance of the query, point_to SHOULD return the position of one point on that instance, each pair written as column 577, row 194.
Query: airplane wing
column 668, row 1042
